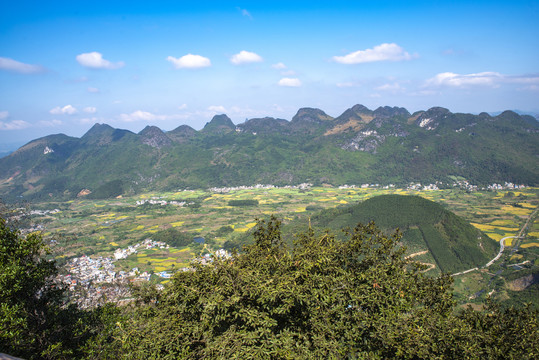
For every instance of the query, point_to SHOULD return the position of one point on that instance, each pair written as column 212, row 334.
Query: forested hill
column 429, row 230
column 386, row 145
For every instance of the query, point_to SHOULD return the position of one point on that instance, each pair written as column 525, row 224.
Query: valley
column 198, row 223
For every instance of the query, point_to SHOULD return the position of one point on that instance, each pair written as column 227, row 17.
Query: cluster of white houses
column 302, row 186
column 163, row 202
column 84, row 271
column 132, row 249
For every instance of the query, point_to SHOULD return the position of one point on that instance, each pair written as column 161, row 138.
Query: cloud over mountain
column 14, row 125
column 487, row 78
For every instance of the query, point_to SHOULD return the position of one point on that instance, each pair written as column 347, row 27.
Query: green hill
column 451, row 243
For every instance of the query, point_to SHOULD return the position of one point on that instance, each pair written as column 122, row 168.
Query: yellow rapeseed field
column 504, row 222
column 489, row 228
column 526, row 205
column 516, row 211
column 529, row 245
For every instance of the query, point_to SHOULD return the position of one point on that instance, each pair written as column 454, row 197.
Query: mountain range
column 386, row 145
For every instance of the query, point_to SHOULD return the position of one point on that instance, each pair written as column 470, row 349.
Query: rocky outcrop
column 523, row 282
column 154, row 137
column 432, row 118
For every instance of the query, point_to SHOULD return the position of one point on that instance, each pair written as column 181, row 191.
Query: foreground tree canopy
column 36, row 321
column 321, row 298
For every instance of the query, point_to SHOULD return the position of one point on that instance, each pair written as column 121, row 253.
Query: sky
column 65, row 65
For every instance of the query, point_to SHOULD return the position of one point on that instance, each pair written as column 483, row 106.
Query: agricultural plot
column 99, row 227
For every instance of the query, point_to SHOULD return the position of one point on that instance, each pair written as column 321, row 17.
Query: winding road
column 502, row 247
column 502, row 244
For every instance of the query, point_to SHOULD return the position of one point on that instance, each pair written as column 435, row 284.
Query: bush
column 243, row 203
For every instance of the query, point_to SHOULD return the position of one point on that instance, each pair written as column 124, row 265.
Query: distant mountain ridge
column 385, row 145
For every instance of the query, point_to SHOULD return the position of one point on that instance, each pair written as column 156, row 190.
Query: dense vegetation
column 387, row 145
column 243, row 203
column 35, row 321
column 173, row 237
column 322, row 298
column 454, row 243
column 108, row 190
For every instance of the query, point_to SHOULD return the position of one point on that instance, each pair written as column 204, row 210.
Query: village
column 94, row 281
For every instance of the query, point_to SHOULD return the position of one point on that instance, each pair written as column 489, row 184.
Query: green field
column 98, row 227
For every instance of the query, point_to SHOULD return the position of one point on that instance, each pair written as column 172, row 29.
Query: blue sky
column 65, row 65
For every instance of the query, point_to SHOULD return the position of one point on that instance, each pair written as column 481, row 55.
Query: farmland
column 98, row 227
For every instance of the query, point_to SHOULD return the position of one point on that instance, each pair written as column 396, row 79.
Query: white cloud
column 93, row 90
column 382, row 52
column 457, row 80
column 217, row 108
column 140, row 115
column 95, row 60
column 51, row 123
column 16, row 66
column 189, row 61
column 182, row 107
column 68, row 109
column 4, row 115
column 394, row 87
column 90, row 110
column 245, row 57
column 290, row 82
column 279, row 66
column 488, row 78
column 14, row 125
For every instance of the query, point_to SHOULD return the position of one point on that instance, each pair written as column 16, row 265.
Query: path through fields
column 502, row 243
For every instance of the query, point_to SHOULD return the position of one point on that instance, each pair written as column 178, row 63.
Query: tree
column 322, row 298
column 35, row 321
